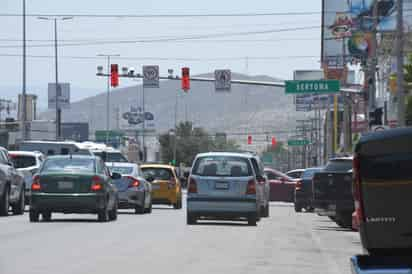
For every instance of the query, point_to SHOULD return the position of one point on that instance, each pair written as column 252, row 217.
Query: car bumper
column 221, row 207
column 164, row 197
column 68, row 203
column 330, row 208
column 130, row 199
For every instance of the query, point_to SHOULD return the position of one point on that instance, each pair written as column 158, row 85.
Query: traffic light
column 249, row 140
column 185, row 79
column 114, row 75
column 273, row 142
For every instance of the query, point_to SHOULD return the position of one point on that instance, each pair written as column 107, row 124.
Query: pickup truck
column 332, row 191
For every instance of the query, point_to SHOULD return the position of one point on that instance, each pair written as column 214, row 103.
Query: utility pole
column 108, row 56
column 58, row 88
column 399, row 58
column 373, row 62
column 24, row 110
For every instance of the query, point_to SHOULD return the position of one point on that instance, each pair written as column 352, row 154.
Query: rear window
column 124, row 170
column 309, row 173
column 339, row 166
column 67, row 164
column 226, row 166
column 23, row 161
column 392, row 167
column 163, row 174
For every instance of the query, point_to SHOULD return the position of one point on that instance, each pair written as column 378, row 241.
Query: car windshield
column 338, row 166
column 223, row 166
column 164, row 174
column 23, row 161
column 308, row 173
column 124, row 170
column 68, row 165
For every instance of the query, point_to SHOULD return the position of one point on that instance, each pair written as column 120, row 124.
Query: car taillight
column 251, row 187
column 172, row 183
column 35, row 186
column 192, row 186
column 357, row 188
column 133, row 182
column 298, row 185
column 97, row 184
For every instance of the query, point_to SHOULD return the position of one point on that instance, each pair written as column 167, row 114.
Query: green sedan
column 74, row 184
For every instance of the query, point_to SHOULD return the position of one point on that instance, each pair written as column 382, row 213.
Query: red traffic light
column 114, row 75
column 274, row 142
column 249, row 140
column 185, row 79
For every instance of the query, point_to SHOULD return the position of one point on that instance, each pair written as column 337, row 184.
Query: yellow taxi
column 166, row 187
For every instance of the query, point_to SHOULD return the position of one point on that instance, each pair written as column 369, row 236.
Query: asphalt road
column 161, row 242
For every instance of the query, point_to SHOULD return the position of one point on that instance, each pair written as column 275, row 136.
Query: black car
column 383, row 191
column 303, row 190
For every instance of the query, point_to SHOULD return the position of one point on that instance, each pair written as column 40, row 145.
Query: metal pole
column 24, row 105
column 400, row 65
column 143, row 125
column 57, row 83
column 175, row 136
column 108, row 102
column 373, row 62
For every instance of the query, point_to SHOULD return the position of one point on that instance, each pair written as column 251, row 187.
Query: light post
column 58, row 89
column 24, row 105
column 108, row 56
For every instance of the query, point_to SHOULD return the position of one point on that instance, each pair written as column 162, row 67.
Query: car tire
column 252, row 220
column 298, row 208
column 103, row 215
column 34, row 216
column 5, row 202
column 18, row 207
column 113, row 212
column 344, row 220
column 178, row 204
column 191, row 219
column 266, row 211
column 149, row 209
column 46, row 216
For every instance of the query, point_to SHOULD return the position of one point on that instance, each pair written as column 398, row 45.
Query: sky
column 276, row 52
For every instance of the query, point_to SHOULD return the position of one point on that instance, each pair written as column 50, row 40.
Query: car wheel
column 252, row 220
column 18, row 208
column 4, row 202
column 47, row 216
column 113, row 213
column 265, row 211
column 103, row 215
column 298, row 208
column 190, row 219
column 149, row 209
column 178, row 204
column 34, row 216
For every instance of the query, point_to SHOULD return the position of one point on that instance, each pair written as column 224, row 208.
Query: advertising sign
column 63, row 95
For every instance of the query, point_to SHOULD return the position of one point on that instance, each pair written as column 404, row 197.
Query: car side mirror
column 116, row 176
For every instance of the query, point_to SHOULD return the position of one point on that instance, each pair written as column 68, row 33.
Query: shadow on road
column 333, row 228
column 206, row 223
column 70, row 221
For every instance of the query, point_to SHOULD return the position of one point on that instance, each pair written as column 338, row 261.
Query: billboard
column 63, row 95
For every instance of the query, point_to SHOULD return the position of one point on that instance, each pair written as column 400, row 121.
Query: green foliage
column 189, row 142
column 408, row 70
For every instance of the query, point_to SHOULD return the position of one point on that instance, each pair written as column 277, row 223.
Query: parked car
column 224, row 186
column 166, row 186
column 27, row 163
column 133, row 190
column 303, row 190
column 332, row 191
column 383, row 190
column 11, row 186
column 282, row 187
column 296, row 173
column 74, row 184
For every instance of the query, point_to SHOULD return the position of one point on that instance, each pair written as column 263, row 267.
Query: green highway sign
column 312, row 86
column 292, row 143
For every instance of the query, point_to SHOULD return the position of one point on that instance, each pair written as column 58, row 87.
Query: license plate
column 155, row 187
column 221, row 185
column 65, row 185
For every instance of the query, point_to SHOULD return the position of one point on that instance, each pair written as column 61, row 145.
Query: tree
column 189, row 142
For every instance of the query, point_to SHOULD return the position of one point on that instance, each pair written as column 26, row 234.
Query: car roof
column 296, row 170
column 73, row 156
column 157, row 166
column 26, row 153
column 231, row 154
column 120, row 164
column 341, row 158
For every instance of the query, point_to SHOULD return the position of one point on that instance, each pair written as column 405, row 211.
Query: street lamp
column 57, row 93
column 100, row 69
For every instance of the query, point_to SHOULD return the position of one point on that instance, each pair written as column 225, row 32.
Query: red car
column 282, row 187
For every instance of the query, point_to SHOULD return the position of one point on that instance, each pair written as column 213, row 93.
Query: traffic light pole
column 24, row 103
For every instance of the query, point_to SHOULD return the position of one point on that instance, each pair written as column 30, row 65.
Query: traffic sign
column 150, row 76
column 312, row 86
column 298, row 142
column 223, row 79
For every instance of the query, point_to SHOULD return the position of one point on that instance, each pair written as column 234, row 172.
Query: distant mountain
column 245, row 109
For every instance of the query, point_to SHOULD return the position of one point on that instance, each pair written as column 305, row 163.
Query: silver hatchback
column 223, row 186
